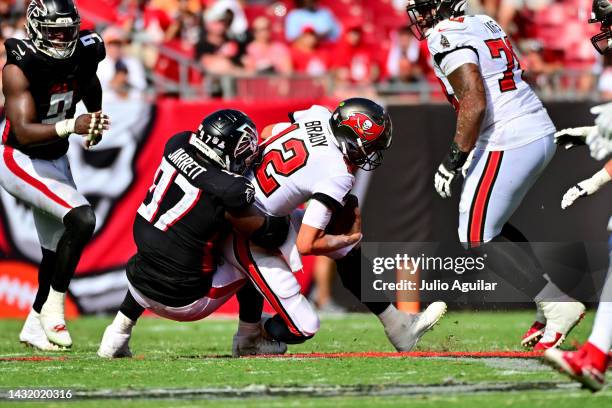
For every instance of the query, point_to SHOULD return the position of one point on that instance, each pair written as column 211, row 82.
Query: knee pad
column 80, row 222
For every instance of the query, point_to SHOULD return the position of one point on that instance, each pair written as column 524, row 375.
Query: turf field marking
column 415, row 354
column 33, row 358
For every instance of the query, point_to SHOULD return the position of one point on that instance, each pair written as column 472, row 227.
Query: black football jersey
column 56, row 85
column 180, row 223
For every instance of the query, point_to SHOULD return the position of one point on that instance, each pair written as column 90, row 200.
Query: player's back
column 180, row 223
column 509, row 97
column 301, row 161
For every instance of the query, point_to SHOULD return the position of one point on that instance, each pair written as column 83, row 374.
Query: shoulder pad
column 91, row 45
column 314, row 110
column 19, row 52
column 448, row 35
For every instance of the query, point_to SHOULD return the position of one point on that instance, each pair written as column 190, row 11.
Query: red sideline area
column 417, row 354
column 34, row 358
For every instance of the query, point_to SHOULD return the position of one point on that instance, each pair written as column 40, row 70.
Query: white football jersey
column 300, row 161
column 515, row 115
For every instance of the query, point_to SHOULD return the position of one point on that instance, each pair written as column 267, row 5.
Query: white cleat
column 53, row 321
column 256, row 345
column 33, row 335
column 415, row 326
column 115, row 344
column 561, row 318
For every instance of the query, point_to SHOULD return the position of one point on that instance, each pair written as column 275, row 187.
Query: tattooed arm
column 469, row 89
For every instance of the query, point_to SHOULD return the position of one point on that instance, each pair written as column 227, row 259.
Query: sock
column 250, row 303
column 130, row 308
column 540, row 315
column 392, row 319
column 349, row 270
column 55, row 302
column 601, row 336
column 552, row 293
column 45, row 273
column 123, row 323
column 248, row 329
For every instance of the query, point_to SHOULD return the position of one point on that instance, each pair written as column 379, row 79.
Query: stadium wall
column 399, row 200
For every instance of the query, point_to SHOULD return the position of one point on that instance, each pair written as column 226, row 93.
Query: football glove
column 449, row 169
column 573, row 137
column 585, row 188
column 604, row 119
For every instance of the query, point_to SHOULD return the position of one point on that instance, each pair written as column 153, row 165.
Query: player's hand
column 572, row 195
column 586, row 188
column 604, row 119
column 573, row 137
column 92, row 126
column 443, row 181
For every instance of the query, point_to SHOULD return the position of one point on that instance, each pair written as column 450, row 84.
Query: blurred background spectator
column 406, row 57
column 117, row 55
column 264, row 55
column 308, row 56
column 308, row 13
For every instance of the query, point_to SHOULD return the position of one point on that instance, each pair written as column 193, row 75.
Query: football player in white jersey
column 314, row 157
column 505, row 130
column 588, row 365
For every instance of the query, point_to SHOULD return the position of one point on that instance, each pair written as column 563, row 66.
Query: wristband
column 455, row 159
column 65, row 128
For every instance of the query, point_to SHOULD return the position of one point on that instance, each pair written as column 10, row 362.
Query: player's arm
column 588, row 187
column 21, row 112
column 266, row 231
column 468, row 86
column 313, row 238
column 92, row 97
column 263, row 230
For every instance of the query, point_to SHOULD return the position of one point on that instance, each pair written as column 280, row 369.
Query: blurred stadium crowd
column 315, row 48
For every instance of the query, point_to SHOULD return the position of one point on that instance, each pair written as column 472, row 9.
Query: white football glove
column 585, row 188
column 572, row 137
column 443, row 180
column 604, row 119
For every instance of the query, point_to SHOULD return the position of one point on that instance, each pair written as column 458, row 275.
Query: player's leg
column 589, row 364
column 403, row 330
column 296, row 320
column 64, row 223
column 495, row 186
column 250, row 338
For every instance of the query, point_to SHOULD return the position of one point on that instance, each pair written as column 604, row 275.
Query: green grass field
column 187, row 364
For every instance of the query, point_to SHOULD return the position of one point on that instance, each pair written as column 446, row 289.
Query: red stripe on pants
column 244, row 257
column 12, row 165
column 481, row 199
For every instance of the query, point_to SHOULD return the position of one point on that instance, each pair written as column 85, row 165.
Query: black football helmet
column 53, row 26
column 363, row 131
column 425, row 14
column 602, row 13
column 229, row 139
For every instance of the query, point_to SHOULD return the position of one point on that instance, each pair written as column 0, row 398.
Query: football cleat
column 115, row 344
column 587, row 365
column 256, row 345
column 32, row 334
column 53, row 321
column 561, row 318
column 415, row 326
column 533, row 335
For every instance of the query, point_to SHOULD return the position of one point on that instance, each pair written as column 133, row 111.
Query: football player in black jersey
column 198, row 194
column 44, row 78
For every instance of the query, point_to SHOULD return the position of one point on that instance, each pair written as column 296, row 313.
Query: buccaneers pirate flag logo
column 364, row 126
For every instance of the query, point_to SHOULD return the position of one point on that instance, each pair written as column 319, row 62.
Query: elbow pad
column 273, row 233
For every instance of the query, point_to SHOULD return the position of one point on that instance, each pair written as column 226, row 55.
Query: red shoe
column 564, row 324
column 533, row 335
column 587, row 365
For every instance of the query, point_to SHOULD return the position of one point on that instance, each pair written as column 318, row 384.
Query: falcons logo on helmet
column 363, row 126
column 37, row 8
